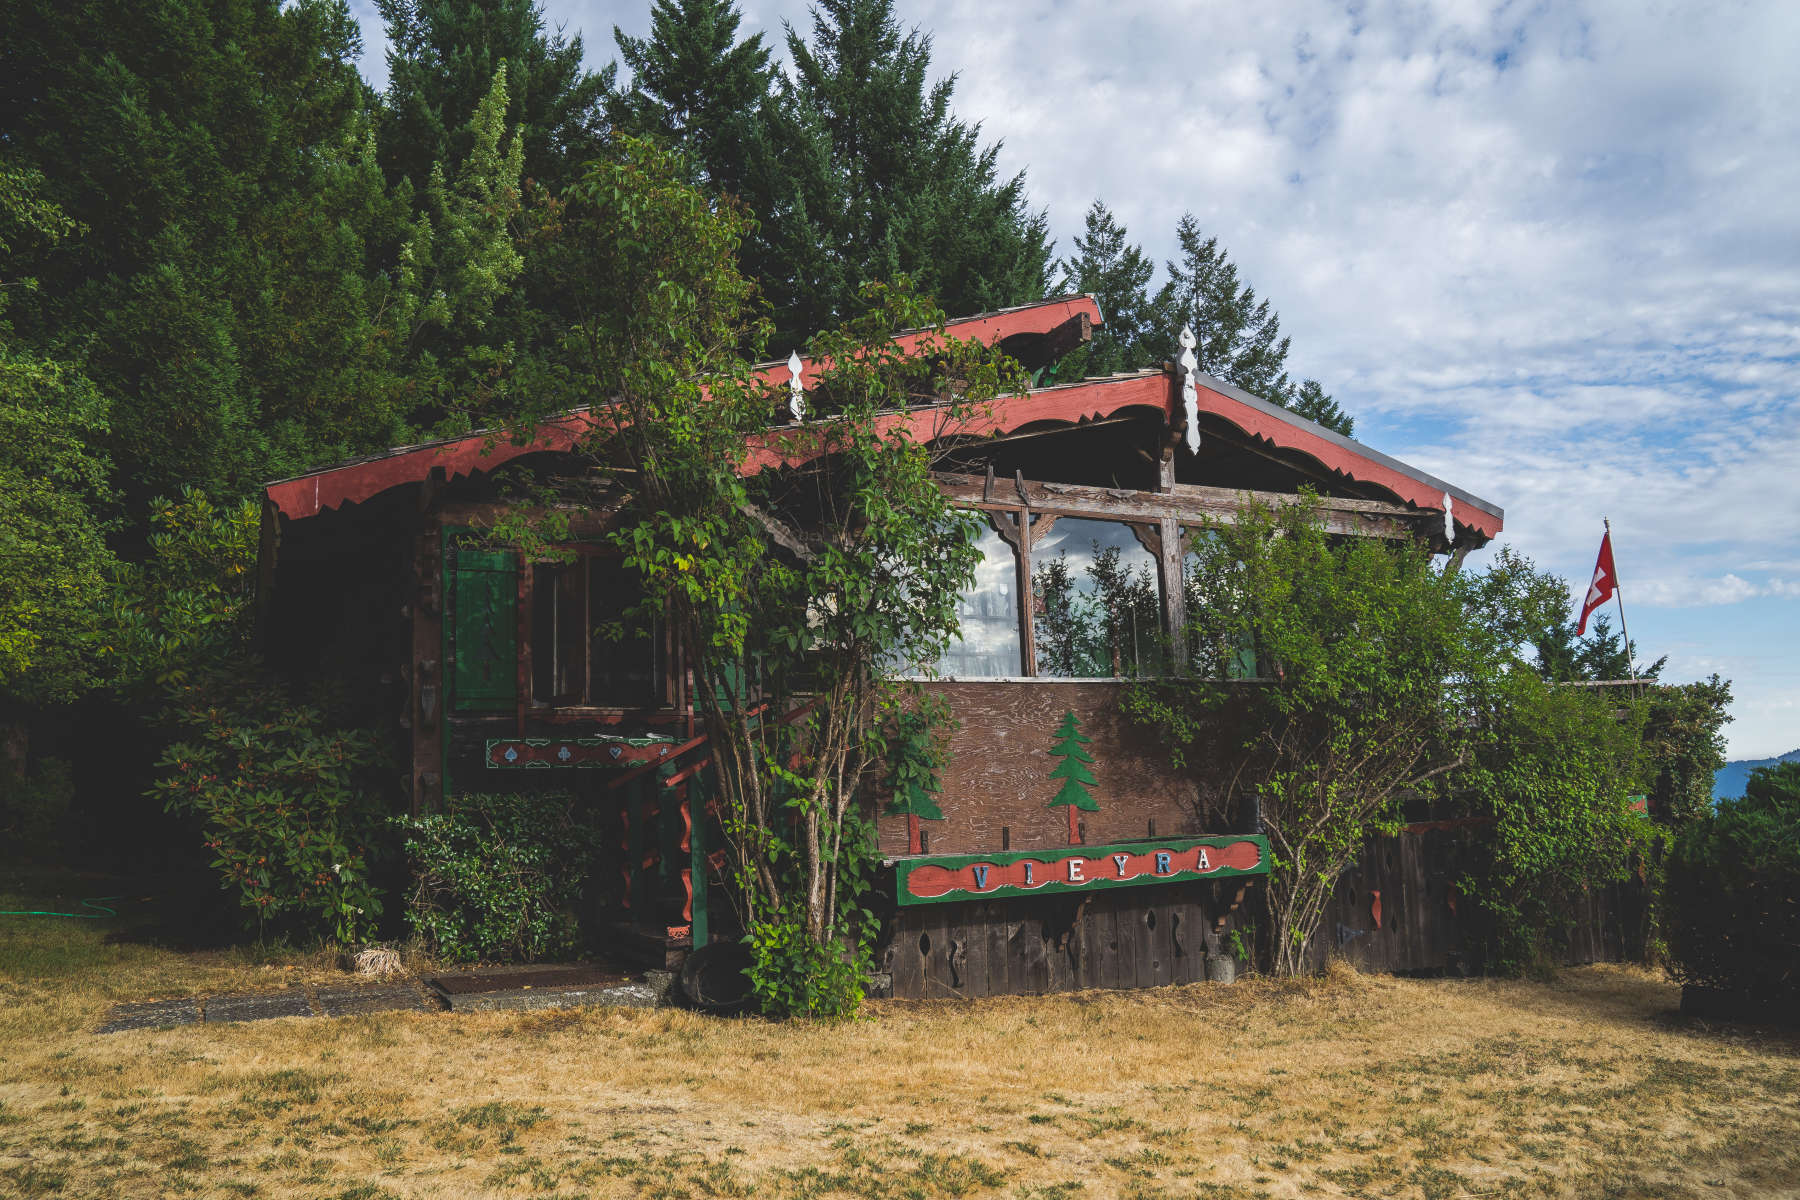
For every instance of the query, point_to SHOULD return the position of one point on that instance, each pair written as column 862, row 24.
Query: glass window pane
column 625, row 673
column 1096, row 605
column 1220, row 646
column 558, row 665
column 988, row 645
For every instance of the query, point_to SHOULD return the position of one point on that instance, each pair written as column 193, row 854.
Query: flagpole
column 1619, row 595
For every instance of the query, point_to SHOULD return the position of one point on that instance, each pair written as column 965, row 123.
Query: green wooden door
column 484, row 630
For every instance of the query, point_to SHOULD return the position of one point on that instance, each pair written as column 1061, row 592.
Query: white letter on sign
column 1119, row 861
column 1202, row 864
column 1075, row 875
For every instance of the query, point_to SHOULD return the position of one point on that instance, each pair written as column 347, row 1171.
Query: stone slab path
column 504, row 988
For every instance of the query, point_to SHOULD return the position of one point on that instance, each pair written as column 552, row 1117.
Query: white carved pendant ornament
column 1449, row 520
column 796, row 392
column 1190, row 398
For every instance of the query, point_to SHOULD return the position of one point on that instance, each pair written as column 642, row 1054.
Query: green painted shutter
column 484, row 599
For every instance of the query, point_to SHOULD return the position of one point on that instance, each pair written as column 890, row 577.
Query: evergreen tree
column 697, row 88
column 442, row 58
column 1315, row 404
column 1239, row 337
column 457, row 267
column 55, row 497
column 1562, row 657
column 220, row 159
column 1116, row 273
column 1073, row 771
column 866, row 175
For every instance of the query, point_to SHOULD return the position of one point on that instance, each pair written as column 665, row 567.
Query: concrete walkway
column 488, row 990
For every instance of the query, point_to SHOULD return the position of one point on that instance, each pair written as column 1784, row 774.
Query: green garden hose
column 95, row 902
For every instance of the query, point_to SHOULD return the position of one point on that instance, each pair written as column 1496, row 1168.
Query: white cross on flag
column 1606, row 581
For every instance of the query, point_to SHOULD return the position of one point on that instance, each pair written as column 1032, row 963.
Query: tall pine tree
column 1239, row 337
column 1116, row 273
column 442, row 57
column 868, row 175
column 697, row 88
column 219, row 158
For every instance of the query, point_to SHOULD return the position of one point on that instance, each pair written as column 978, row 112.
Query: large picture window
column 1219, row 642
column 988, row 612
column 575, row 660
column 1096, row 606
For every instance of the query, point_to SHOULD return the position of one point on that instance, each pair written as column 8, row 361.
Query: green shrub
column 1733, row 893
column 289, row 805
column 34, row 809
column 496, row 876
column 1554, row 768
column 793, row 976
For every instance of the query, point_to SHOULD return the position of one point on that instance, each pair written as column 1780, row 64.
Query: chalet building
column 490, row 676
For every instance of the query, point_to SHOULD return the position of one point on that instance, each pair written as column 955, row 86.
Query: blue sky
column 1548, row 251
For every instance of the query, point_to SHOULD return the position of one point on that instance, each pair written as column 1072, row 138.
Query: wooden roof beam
column 1187, row 502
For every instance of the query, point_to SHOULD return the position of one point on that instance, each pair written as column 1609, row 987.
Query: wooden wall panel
column 998, row 774
column 1107, row 939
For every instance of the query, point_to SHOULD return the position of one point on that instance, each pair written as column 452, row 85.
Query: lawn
column 1586, row 1086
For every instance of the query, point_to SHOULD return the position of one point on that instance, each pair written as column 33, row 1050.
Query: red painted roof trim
column 1092, row 399
column 354, row 482
column 1096, row 398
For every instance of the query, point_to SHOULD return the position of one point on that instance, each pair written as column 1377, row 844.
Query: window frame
column 666, row 667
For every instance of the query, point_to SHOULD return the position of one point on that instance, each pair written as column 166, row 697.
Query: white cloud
column 1545, row 251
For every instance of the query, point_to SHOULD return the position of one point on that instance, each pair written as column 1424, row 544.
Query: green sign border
column 906, row 866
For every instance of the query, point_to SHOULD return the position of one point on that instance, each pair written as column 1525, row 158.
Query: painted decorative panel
column 1088, row 868
column 540, row 753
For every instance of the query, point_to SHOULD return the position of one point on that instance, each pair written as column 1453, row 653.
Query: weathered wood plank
column 969, row 950
column 996, row 916
column 1187, row 502
column 1157, row 967
column 903, row 954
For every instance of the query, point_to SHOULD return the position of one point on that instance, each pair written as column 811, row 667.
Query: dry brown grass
column 1345, row 1085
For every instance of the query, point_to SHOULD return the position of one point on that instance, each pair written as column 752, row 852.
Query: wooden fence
column 1397, row 910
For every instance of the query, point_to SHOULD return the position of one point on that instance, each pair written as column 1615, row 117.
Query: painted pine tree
column 1073, row 771
column 913, row 761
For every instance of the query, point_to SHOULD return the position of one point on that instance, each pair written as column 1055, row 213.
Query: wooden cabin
column 490, row 676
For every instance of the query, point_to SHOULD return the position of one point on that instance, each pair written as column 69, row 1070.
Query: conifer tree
column 1107, row 266
column 867, row 175
column 1314, row 403
column 442, row 57
column 1073, row 771
column 697, row 88
column 1239, row 336
column 223, row 295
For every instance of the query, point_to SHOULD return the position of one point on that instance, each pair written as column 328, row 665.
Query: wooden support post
column 1169, row 566
column 522, row 623
column 669, row 855
column 428, row 697
column 636, row 878
column 1016, row 528
column 699, row 920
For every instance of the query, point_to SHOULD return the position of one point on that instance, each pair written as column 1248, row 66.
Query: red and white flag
column 1605, row 583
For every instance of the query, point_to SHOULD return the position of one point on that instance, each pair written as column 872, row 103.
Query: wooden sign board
column 942, row 879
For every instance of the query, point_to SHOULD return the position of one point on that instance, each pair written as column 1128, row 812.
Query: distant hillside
column 1729, row 779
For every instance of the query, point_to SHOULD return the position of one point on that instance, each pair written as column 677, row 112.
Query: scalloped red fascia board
column 1095, row 399
column 353, row 483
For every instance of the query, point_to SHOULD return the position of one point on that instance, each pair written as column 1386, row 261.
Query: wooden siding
column 998, row 775
column 1151, row 936
column 1142, row 937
